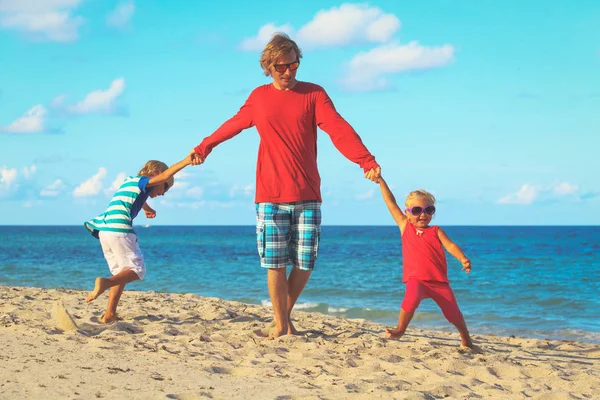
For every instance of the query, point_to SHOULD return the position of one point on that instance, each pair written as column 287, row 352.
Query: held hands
column 466, row 265
column 150, row 213
column 373, row 174
column 195, row 158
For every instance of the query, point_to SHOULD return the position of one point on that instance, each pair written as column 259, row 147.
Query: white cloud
column 179, row 185
column 121, row 15
column 91, row 186
column 116, row 184
column 239, row 190
column 348, row 24
column 365, row 196
column 54, row 189
column 337, row 26
column 564, row 188
column 529, row 194
column 195, row 192
column 29, row 171
column 31, row 122
column 32, row 203
column 97, row 101
column 526, row 195
column 264, row 35
column 8, row 178
column 367, row 70
column 51, row 20
column 183, row 174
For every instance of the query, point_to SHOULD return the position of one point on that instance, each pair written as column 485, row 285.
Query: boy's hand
column 150, row 213
column 195, row 158
column 466, row 265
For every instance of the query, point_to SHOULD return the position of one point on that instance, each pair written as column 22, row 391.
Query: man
column 286, row 114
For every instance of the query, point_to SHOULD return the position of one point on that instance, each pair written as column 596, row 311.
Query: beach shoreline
column 184, row 346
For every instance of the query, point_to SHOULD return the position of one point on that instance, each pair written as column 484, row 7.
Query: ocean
column 541, row 282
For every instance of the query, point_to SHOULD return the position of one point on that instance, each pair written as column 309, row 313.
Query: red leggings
column 440, row 292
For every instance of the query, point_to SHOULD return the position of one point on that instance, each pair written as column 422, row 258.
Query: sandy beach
column 176, row 346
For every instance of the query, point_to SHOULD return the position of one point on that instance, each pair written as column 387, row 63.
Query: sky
column 491, row 106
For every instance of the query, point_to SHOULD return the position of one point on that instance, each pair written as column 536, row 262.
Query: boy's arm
column 390, row 202
column 149, row 211
column 453, row 249
column 172, row 170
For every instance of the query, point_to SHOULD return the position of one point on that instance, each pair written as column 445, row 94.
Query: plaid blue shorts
column 288, row 233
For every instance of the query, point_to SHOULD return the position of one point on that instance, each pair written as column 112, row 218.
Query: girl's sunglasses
column 166, row 187
column 281, row 68
column 416, row 211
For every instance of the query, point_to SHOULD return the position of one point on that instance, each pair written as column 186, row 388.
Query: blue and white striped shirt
column 123, row 208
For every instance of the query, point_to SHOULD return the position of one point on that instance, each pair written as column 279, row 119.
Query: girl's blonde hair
column 279, row 45
column 154, row 167
column 421, row 194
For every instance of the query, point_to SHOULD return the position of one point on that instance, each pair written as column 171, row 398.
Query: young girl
column 425, row 270
column 115, row 231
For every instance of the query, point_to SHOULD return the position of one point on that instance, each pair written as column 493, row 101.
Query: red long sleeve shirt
column 287, row 121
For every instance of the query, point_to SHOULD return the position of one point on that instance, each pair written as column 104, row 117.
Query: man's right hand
column 373, row 174
column 195, row 158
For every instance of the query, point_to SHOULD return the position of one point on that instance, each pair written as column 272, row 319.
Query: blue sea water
column 541, row 282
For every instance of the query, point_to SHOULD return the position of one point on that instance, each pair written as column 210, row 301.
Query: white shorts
column 122, row 252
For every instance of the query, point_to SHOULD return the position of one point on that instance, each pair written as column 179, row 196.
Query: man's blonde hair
column 278, row 46
column 421, row 194
column 154, row 167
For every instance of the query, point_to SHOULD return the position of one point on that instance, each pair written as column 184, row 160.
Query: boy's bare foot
column 100, row 285
column 394, row 333
column 108, row 319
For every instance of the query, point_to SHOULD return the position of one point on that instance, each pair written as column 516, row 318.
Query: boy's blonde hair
column 421, row 194
column 154, row 167
column 279, row 45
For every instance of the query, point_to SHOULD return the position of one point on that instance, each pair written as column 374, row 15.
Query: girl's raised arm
column 390, row 202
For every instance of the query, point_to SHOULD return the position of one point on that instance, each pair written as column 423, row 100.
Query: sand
column 182, row 346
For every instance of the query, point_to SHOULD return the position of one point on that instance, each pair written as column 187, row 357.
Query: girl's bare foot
column 466, row 342
column 394, row 333
column 100, row 285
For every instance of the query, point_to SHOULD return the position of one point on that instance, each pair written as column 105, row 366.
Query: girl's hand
column 466, row 265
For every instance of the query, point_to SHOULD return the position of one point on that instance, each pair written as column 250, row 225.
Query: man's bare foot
column 272, row 332
column 394, row 333
column 100, row 285
column 275, row 333
column 291, row 328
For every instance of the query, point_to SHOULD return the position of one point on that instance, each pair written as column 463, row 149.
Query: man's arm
column 232, row 127
column 453, row 249
column 344, row 137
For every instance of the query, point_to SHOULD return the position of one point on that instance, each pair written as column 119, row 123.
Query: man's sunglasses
column 166, row 187
column 416, row 211
column 281, row 68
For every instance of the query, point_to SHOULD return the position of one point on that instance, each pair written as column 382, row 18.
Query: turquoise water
column 527, row 281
